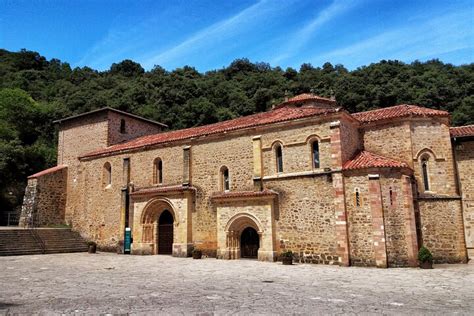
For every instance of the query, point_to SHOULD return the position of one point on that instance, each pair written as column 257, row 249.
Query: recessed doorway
column 249, row 243
column 165, row 233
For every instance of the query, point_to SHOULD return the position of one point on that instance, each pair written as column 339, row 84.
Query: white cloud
column 300, row 38
column 208, row 38
column 421, row 40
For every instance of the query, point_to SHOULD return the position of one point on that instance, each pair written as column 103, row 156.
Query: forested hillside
column 35, row 91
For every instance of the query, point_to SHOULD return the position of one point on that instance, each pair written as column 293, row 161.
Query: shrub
column 424, row 255
column 287, row 254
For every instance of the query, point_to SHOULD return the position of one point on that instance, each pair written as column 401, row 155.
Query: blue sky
column 210, row 34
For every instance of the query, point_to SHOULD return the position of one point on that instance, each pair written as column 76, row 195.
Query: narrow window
column 315, row 154
column 107, row 174
column 391, row 196
column 225, row 180
column 357, row 197
column 122, row 126
column 158, row 171
column 424, row 170
column 279, row 158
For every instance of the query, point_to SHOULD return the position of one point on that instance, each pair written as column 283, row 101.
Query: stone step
column 37, row 241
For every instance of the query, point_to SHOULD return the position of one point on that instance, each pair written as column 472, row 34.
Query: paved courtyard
column 118, row 284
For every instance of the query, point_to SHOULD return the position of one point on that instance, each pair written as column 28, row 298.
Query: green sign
column 128, row 240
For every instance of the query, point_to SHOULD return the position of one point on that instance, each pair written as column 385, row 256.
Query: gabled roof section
column 403, row 110
column 462, row 131
column 74, row 117
column 47, row 171
column 365, row 159
column 303, row 98
column 283, row 114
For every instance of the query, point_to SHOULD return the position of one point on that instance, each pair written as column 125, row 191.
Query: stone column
column 410, row 222
column 378, row 232
column 342, row 235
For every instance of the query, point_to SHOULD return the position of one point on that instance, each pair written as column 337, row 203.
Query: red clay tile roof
column 47, row 171
column 242, row 194
column 402, row 110
column 281, row 114
column 462, row 131
column 305, row 97
column 162, row 189
column 366, row 159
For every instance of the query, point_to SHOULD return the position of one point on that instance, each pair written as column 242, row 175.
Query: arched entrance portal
column 165, row 233
column 249, row 243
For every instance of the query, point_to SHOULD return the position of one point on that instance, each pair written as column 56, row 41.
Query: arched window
column 225, row 179
column 158, row 171
column 357, row 198
column 107, row 174
column 315, row 154
column 122, row 126
column 424, row 171
column 279, row 158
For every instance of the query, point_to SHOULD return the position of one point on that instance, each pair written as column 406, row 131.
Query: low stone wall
column 45, row 199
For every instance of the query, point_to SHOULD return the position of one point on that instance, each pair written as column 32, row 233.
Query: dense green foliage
column 424, row 255
column 34, row 91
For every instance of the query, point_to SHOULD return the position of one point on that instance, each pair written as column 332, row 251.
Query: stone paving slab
column 105, row 283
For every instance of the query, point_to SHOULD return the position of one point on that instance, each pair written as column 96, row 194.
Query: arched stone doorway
column 165, row 233
column 249, row 243
column 158, row 225
column 244, row 233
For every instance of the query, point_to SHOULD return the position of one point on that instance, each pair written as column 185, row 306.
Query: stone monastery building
column 336, row 188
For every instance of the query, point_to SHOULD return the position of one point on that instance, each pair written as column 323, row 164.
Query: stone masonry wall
column 134, row 128
column 432, row 138
column 306, row 220
column 45, row 200
column 395, row 220
column 361, row 247
column 442, row 229
column 465, row 167
column 389, row 140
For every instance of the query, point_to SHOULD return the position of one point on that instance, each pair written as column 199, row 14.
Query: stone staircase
column 19, row 241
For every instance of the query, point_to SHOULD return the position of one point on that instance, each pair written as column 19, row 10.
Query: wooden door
column 165, row 233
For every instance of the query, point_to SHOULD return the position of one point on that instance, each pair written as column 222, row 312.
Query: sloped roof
column 403, row 110
column 281, row 114
column 105, row 109
column 307, row 97
column 365, row 159
column 242, row 194
column 462, row 131
column 47, row 171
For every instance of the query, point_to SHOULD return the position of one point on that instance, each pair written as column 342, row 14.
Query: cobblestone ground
column 118, row 284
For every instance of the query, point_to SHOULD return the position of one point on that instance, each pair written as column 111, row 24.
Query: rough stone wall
column 432, row 138
column 442, row 229
column 76, row 138
column 306, row 219
column 207, row 159
column 45, row 200
column 361, row 247
column 350, row 139
column 390, row 140
column 134, row 128
column 99, row 209
column 395, row 220
column 465, row 167
column 296, row 148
